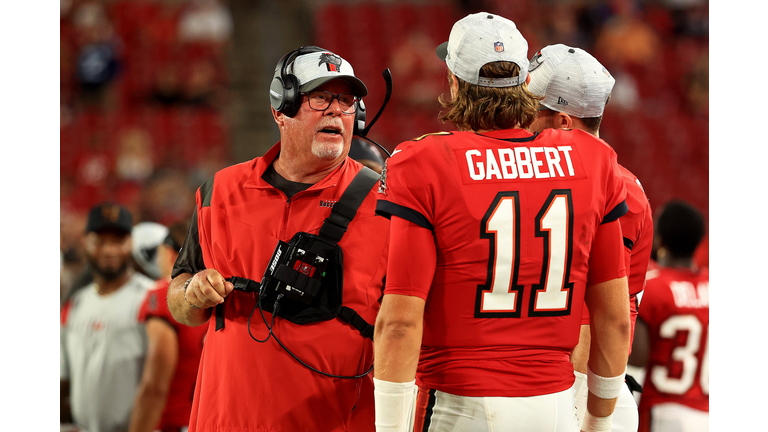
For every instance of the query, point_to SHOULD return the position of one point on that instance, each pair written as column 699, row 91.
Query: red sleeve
column 155, row 304
column 606, row 258
column 412, row 259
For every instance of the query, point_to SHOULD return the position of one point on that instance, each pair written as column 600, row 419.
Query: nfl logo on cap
column 498, row 46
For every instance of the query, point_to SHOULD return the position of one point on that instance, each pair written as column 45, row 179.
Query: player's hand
column 207, row 289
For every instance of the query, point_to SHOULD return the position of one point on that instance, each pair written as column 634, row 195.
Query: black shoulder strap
column 348, row 315
column 344, row 210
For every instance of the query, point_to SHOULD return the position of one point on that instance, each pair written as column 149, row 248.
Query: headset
column 284, row 89
column 285, row 97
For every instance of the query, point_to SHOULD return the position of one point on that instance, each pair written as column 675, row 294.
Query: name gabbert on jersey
column 518, row 163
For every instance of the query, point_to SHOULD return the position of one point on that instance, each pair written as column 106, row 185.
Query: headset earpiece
column 359, row 118
column 284, row 88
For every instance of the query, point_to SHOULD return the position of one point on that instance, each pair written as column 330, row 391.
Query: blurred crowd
column 145, row 90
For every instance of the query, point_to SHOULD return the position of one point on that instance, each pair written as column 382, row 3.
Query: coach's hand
column 206, row 289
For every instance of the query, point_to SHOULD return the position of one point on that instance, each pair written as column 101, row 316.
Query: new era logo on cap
column 561, row 101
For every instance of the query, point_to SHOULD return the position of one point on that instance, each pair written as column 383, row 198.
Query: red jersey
column 675, row 307
column 190, row 342
column 514, row 216
column 246, row 385
column 637, row 229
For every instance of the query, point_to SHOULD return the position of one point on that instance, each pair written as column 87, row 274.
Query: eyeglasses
column 321, row 100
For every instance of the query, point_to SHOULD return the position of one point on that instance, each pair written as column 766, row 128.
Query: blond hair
column 490, row 108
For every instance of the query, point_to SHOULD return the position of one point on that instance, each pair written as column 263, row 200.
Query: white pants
column 446, row 412
column 625, row 416
column 672, row 417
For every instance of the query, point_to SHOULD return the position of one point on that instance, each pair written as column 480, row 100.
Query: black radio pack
column 296, row 269
column 307, row 272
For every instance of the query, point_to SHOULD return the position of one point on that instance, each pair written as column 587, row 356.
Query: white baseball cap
column 317, row 68
column 571, row 81
column 482, row 38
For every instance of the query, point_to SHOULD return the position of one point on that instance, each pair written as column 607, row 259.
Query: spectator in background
column 97, row 61
column 626, row 38
column 672, row 333
column 102, row 342
column 166, row 90
column 134, row 158
column 366, row 153
column 206, row 21
column 164, row 399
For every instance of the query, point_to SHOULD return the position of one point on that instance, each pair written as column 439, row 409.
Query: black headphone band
column 288, row 58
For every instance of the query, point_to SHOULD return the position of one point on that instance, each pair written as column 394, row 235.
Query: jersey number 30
column 502, row 296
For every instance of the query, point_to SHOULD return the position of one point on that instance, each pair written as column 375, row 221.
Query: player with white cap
column 575, row 88
column 498, row 238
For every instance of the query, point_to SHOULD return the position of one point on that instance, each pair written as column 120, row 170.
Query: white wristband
column 602, row 387
column 596, row 424
column 394, row 404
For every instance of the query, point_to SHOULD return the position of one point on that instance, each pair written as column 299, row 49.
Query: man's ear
column 454, row 84
column 278, row 116
column 562, row 120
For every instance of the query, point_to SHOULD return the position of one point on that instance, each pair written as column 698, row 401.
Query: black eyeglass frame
column 334, row 96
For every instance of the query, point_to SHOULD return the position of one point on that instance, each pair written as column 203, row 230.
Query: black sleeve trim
column 617, row 212
column 628, row 243
column 388, row 209
column 206, row 192
column 190, row 259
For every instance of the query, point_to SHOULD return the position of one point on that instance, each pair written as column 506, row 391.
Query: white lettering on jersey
column 688, row 296
column 566, row 150
column 523, row 156
column 537, row 163
column 520, row 162
column 508, row 167
column 553, row 161
column 474, row 175
column 493, row 167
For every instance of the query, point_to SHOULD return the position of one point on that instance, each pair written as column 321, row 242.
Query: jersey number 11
column 502, row 296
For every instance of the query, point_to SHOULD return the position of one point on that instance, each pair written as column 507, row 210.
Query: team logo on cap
column 605, row 71
column 498, row 46
column 332, row 62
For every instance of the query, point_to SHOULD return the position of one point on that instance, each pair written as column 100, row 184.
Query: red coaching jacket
column 243, row 385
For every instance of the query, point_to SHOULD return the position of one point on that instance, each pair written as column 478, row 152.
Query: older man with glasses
column 286, row 269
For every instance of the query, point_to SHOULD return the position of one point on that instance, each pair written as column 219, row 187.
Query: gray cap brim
column 442, row 51
column 358, row 87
